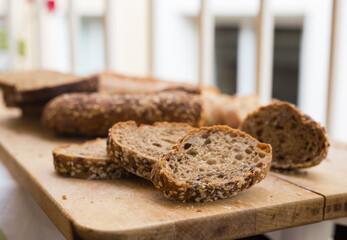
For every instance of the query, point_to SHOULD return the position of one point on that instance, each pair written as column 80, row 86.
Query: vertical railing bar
column 151, row 39
column 265, row 37
column 72, row 34
column 331, row 66
column 206, row 44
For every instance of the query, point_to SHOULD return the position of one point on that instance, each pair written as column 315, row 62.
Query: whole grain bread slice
column 211, row 163
column 296, row 139
column 88, row 160
column 137, row 148
column 93, row 114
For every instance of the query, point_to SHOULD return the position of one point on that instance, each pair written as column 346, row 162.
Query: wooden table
column 132, row 208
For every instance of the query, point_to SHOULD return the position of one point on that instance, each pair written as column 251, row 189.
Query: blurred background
column 287, row 49
column 292, row 50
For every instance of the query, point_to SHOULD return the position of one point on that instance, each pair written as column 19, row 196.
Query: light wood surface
column 328, row 179
column 132, row 208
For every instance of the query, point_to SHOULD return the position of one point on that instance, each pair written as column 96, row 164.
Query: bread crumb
column 64, row 197
column 91, row 201
column 238, row 201
column 198, row 210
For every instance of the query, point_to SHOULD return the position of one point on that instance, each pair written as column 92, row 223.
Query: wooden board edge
column 335, row 207
column 47, row 204
column 225, row 227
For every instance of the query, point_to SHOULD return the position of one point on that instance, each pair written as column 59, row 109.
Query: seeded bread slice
column 137, row 148
column 88, row 160
column 93, row 114
column 211, row 163
column 297, row 140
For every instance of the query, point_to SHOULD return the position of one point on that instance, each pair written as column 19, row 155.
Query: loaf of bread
column 93, row 114
column 31, row 90
column 137, row 148
column 227, row 110
column 116, row 83
column 211, row 163
column 34, row 86
column 296, row 139
column 88, row 160
column 234, row 109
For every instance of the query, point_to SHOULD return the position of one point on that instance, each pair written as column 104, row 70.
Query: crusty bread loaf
column 211, row 163
column 116, row 83
column 88, row 160
column 137, row 148
column 211, row 100
column 227, row 110
column 94, row 114
column 235, row 109
column 33, row 86
column 296, row 139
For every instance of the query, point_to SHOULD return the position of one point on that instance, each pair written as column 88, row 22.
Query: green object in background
column 21, row 47
column 3, row 40
column 2, row 235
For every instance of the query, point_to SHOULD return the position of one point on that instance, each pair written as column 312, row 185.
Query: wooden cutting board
column 329, row 179
column 132, row 208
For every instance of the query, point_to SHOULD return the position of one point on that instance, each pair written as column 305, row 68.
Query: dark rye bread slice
column 296, row 139
column 137, row 148
column 41, row 85
column 88, row 160
column 211, row 163
column 94, row 114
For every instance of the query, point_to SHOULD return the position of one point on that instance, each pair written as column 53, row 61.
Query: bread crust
column 93, row 114
column 305, row 120
column 183, row 191
column 86, row 167
column 134, row 162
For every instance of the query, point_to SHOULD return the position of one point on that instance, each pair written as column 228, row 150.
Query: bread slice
column 296, row 139
column 211, row 163
column 94, row 114
column 116, row 83
column 88, row 160
column 137, row 148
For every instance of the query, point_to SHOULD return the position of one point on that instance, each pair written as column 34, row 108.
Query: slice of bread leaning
column 211, row 163
column 137, row 148
column 296, row 139
column 88, row 160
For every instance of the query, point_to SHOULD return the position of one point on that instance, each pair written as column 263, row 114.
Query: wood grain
column 132, row 209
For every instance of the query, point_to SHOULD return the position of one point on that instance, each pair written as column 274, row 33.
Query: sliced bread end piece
column 211, row 163
column 88, row 160
column 297, row 140
column 137, row 148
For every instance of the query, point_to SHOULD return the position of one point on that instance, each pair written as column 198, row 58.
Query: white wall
column 176, row 40
column 130, row 50
column 338, row 126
